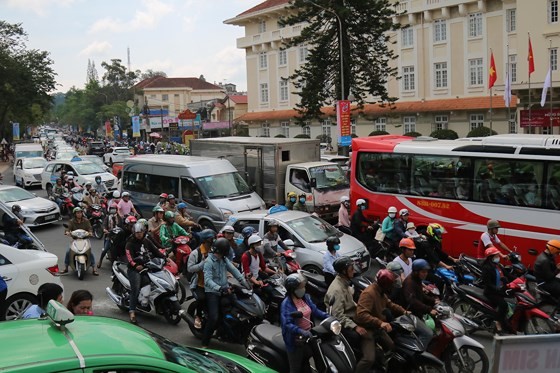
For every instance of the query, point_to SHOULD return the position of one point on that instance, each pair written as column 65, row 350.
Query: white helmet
column 392, row 209
column 126, row 194
column 254, row 239
column 403, row 212
column 228, row 229
column 116, row 194
column 360, row 202
column 344, row 199
column 70, row 178
column 70, row 173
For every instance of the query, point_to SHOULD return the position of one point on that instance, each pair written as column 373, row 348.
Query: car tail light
column 54, row 270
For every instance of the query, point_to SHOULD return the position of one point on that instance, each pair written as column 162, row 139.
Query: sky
column 183, row 38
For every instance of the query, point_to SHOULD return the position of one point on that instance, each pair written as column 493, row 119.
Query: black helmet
column 221, row 246
column 331, row 241
column 16, row 208
column 341, row 264
column 293, row 281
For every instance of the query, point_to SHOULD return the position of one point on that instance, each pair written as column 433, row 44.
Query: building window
column 553, row 59
column 306, row 129
column 326, row 127
column 476, row 120
column 282, row 57
column 407, row 37
column 285, row 128
column 512, row 123
column 381, row 124
column 476, row 72
column 264, row 92
column 513, row 67
column 265, row 129
column 552, row 11
column 408, row 78
column 475, row 25
column 153, row 96
column 283, row 90
column 263, row 60
column 303, row 51
column 440, row 30
column 511, row 20
column 409, row 124
column 441, row 122
column 353, row 126
column 164, row 97
column 262, row 27
column 440, row 73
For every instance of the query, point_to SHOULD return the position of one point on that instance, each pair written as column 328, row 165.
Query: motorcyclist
column 339, row 300
column 171, row 204
column 79, row 221
column 195, row 266
column 183, row 218
column 546, row 268
column 116, row 199
column 407, row 248
column 137, row 255
column 343, row 215
column 92, row 198
column 255, row 269
column 396, row 293
column 110, row 222
column 272, row 240
column 100, row 186
column 12, row 228
column 162, row 200
column 494, row 283
column 119, row 241
column 71, row 183
column 333, row 245
column 216, row 284
column 400, row 224
column 170, row 230
column 300, row 204
column 388, row 227
column 244, row 246
column 294, row 329
column 87, row 187
column 58, row 191
column 125, row 206
column 361, row 226
column 156, row 221
column 228, row 232
column 291, row 200
column 490, row 238
column 433, row 252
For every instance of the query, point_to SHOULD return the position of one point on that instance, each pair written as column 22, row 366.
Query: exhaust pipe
column 114, row 297
column 185, row 316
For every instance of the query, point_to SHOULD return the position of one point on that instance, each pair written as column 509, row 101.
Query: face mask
column 293, row 200
column 496, row 260
column 391, row 215
column 362, row 207
column 336, row 247
column 299, row 293
column 302, row 200
column 112, row 211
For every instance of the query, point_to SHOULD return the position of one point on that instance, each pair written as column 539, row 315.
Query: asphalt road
column 56, row 242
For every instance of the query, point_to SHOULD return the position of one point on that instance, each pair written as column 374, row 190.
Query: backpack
column 189, row 275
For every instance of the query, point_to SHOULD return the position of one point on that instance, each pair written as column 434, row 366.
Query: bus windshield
column 328, row 177
column 223, row 185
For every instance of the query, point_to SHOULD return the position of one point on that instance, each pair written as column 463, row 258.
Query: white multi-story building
column 443, row 64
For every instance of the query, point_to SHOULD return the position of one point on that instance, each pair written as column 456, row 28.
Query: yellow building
column 443, row 64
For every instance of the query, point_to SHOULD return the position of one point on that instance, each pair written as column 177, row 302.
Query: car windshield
column 29, row 153
column 223, row 185
column 15, row 195
column 34, row 163
column 330, row 176
column 88, row 168
column 122, row 151
column 95, row 159
column 312, row 229
column 65, row 155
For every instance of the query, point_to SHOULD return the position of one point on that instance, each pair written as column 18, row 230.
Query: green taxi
column 91, row 344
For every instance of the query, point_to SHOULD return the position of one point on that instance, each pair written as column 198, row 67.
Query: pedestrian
column 80, row 303
column 47, row 292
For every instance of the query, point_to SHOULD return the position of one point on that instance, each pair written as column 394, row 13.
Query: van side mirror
column 289, row 243
column 313, row 182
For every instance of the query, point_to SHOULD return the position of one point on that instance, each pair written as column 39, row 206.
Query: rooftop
column 163, row 82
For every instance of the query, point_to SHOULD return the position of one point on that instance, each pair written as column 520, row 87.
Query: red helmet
column 385, row 279
column 491, row 251
column 163, row 195
column 130, row 220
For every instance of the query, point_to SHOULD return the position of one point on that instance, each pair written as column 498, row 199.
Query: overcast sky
column 181, row 37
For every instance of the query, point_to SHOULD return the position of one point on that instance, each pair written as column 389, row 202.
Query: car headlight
column 26, row 212
column 226, row 213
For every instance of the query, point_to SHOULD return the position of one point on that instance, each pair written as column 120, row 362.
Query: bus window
column 553, row 186
column 382, row 172
column 442, row 176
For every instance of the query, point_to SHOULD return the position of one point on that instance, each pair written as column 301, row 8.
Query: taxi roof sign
column 76, row 159
column 59, row 314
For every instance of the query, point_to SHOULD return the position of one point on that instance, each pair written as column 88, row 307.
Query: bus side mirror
column 313, row 182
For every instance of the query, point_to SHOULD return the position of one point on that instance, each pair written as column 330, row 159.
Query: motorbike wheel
column 537, row 325
column 171, row 311
column 81, row 270
column 98, row 231
column 476, row 360
column 465, row 309
column 181, row 292
column 191, row 310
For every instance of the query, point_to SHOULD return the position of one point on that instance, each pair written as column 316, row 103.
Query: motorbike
column 181, row 251
column 80, row 251
column 96, row 216
column 237, row 319
column 460, row 353
column 278, row 293
column 524, row 314
column 330, row 350
column 171, row 266
column 159, row 288
column 77, row 196
column 66, row 206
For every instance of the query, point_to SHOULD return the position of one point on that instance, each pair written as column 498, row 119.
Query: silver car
column 308, row 234
column 36, row 210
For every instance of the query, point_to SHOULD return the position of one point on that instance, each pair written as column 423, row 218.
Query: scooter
column 77, row 196
column 277, row 296
column 158, row 293
column 330, row 350
column 171, row 266
column 181, row 250
column 80, row 251
column 66, row 206
column 96, row 219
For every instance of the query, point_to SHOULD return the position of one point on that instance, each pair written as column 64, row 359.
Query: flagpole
column 508, row 87
column 529, row 72
column 491, row 55
column 550, row 88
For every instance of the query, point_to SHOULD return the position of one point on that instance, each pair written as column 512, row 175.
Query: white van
column 27, row 150
column 211, row 188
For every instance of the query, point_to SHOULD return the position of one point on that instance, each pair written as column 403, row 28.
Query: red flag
column 530, row 58
column 493, row 76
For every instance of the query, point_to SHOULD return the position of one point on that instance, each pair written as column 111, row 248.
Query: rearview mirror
column 289, row 243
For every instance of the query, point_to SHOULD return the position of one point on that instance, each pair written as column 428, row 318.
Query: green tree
column 365, row 26
column 302, row 136
column 444, row 134
column 118, row 80
column 481, row 132
column 378, row 133
column 413, row 134
column 151, row 74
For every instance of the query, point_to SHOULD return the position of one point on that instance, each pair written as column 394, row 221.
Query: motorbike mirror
column 289, row 243
column 532, row 251
column 297, row 315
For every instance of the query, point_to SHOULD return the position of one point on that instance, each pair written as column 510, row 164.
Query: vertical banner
column 136, row 126
column 344, row 122
column 15, row 131
column 108, row 129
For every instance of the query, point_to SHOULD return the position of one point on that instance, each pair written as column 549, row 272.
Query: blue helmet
column 420, row 264
column 207, row 234
column 248, row 232
column 182, row 205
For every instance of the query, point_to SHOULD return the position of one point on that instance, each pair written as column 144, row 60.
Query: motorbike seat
column 475, row 292
column 316, row 279
column 123, row 268
column 271, row 336
column 474, row 261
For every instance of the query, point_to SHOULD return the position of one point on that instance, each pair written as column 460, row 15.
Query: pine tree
column 366, row 27
column 91, row 72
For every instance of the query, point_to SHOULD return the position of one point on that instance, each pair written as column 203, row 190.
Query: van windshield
column 29, row 153
column 223, row 185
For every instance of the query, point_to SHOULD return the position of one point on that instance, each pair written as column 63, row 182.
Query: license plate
column 50, row 217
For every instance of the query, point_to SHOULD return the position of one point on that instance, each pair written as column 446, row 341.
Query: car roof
column 283, row 216
column 37, row 340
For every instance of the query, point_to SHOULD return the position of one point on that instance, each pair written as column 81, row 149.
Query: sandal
column 132, row 316
column 94, row 272
column 64, row 272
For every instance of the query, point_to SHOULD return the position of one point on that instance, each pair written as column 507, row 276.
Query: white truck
column 274, row 167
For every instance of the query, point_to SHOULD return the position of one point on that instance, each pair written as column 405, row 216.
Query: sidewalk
column 4, row 166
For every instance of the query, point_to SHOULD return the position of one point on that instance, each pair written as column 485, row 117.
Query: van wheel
column 205, row 224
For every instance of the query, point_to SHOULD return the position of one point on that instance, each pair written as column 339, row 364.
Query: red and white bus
column 463, row 183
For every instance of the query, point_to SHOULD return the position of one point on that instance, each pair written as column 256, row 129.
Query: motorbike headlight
column 336, row 327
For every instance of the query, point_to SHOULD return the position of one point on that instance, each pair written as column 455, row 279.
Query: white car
column 24, row 271
column 116, row 154
column 28, row 171
column 84, row 171
column 36, row 210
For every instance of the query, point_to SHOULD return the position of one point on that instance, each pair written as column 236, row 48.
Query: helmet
column 293, row 281
column 130, row 220
column 70, row 178
column 392, row 209
column 138, row 227
column 344, row 199
column 292, row 194
column 58, row 179
column 16, row 208
column 158, row 209
column 77, row 209
column 227, row 229
column 302, row 195
column 553, row 246
column 254, row 239
column 491, row 251
column 169, row 215
column 170, row 196
column 360, row 202
column 98, row 179
column 407, row 243
column 272, row 223
column 332, row 240
column 385, row 279
column 395, row 267
column 341, row 264
column 206, row 234
column 70, row 173
column 116, row 194
column 182, row 205
column 125, row 194
column 143, row 221
column 403, row 212
column 221, row 246
column 248, row 232
column 420, row 264
column 493, row 224
column 435, row 230
column 163, row 195
column 87, row 183
column 93, row 190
